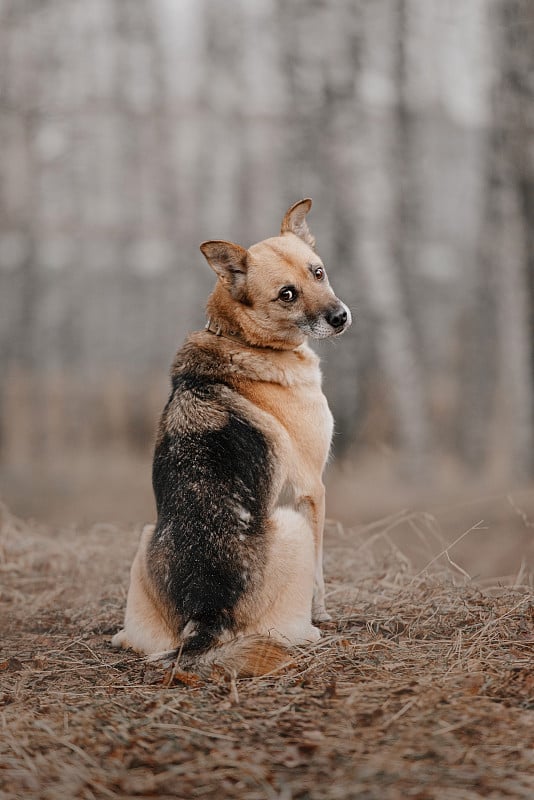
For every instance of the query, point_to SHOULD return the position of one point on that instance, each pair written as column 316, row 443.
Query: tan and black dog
column 231, row 574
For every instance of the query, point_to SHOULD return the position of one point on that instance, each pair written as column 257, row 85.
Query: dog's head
column 277, row 291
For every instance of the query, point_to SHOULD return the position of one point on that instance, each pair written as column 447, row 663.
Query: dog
column 231, row 575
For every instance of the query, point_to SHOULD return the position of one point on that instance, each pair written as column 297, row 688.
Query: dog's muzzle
column 339, row 317
column 332, row 322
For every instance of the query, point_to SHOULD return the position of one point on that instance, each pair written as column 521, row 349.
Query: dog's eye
column 287, row 294
column 319, row 273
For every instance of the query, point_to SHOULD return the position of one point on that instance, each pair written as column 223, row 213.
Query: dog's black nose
column 337, row 317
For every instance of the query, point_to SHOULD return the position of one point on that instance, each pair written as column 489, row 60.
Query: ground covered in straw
column 422, row 687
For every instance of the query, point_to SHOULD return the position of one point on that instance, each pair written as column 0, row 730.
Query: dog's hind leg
column 284, row 607
column 145, row 629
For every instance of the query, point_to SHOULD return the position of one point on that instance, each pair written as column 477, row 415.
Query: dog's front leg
column 312, row 506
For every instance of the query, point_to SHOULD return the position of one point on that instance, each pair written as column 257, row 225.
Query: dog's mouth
column 332, row 322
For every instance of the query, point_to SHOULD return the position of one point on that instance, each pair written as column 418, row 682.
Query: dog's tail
column 244, row 657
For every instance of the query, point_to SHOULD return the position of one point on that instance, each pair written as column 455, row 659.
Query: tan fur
column 266, row 360
column 303, row 427
column 269, row 264
column 244, row 656
column 146, row 626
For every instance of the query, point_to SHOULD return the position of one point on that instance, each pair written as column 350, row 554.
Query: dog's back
column 212, row 478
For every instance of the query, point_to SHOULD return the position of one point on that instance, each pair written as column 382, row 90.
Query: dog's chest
column 302, row 409
column 309, row 422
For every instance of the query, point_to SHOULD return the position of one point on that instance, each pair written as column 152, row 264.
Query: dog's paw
column 315, row 634
column 320, row 614
column 119, row 640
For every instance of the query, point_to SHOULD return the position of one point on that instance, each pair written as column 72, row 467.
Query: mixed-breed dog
column 231, row 574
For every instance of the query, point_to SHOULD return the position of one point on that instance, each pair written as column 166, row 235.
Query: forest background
column 132, row 131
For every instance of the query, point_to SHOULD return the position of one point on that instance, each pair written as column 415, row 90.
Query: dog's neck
column 235, row 336
column 227, row 319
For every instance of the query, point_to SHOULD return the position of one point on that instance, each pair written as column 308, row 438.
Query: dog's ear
column 229, row 262
column 295, row 221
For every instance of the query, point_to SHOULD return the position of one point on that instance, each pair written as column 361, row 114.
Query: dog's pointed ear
column 229, row 262
column 295, row 221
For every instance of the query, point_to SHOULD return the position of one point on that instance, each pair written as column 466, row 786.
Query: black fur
column 212, row 494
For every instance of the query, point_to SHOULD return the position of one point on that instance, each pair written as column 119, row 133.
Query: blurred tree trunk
column 479, row 345
column 381, row 207
column 221, row 181
column 497, row 426
column 515, row 24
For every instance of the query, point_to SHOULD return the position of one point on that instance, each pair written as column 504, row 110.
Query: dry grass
column 422, row 687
